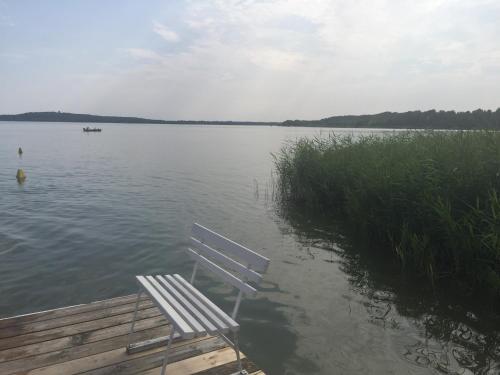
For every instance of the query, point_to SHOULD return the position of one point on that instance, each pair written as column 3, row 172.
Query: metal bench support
column 130, row 334
column 165, row 359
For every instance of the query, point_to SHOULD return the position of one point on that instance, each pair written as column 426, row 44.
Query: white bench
column 186, row 308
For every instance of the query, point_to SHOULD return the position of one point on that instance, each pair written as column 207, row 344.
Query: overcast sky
column 248, row 60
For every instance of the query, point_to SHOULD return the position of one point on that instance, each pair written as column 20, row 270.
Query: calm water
column 96, row 209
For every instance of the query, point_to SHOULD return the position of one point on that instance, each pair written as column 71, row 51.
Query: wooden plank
column 217, row 318
column 178, row 279
column 183, row 313
column 228, row 277
column 221, row 258
column 258, row 262
column 71, row 319
column 88, row 339
column 79, row 339
column 197, row 364
column 97, row 361
column 188, row 305
column 50, row 334
column 79, row 351
column 188, row 349
column 179, row 323
column 230, row 368
column 64, row 311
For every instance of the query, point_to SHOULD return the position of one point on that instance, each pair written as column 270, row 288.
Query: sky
column 248, row 60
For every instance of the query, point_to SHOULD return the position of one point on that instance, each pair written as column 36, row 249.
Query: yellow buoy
column 20, row 176
column 20, row 151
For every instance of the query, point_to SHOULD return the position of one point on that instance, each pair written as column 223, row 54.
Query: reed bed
column 431, row 196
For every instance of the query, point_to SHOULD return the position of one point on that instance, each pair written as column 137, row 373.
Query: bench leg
column 237, row 350
column 129, row 338
column 234, row 344
column 165, row 359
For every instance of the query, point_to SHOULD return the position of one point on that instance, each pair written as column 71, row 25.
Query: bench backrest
column 232, row 262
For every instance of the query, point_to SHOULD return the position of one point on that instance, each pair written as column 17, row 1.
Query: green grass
column 432, row 196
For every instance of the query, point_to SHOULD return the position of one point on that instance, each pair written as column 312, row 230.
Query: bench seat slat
column 251, row 275
column 204, row 321
column 222, row 273
column 209, row 304
column 184, row 329
column 195, row 325
column 256, row 261
column 216, row 317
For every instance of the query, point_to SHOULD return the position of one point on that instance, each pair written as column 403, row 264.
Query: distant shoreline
column 86, row 118
column 440, row 120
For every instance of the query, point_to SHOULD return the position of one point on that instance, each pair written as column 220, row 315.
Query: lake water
column 97, row 209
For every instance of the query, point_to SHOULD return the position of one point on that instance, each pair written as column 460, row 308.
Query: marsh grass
column 433, row 196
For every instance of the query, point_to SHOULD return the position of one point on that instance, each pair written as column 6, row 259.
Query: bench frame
column 220, row 255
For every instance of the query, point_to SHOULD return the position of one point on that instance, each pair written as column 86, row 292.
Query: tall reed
column 433, row 196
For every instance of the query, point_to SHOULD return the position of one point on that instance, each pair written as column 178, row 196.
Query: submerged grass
column 432, row 196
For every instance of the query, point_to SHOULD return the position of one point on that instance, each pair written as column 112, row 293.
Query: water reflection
column 277, row 343
column 437, row 331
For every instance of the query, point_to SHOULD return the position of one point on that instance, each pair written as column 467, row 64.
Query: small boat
column 88, row 129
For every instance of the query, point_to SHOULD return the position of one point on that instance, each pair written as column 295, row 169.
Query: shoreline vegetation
column 469, row 120
column 430, row 198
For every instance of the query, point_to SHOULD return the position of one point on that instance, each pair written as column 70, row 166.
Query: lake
column 97, row 209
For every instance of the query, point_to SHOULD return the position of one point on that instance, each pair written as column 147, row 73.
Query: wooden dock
column 90, row 339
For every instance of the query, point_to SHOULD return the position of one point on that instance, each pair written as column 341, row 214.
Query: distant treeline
column 478, row 119
column 76, row 117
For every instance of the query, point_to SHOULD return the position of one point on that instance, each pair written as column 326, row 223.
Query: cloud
column 5, row 19
column 275, row 59
column 141, row 53
column 13, row 56
column 200, row 23
column 165, row 33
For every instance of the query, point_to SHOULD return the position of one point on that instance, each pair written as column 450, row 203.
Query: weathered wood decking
column 90, row 339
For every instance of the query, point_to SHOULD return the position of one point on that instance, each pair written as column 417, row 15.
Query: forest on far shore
column 478, row 119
